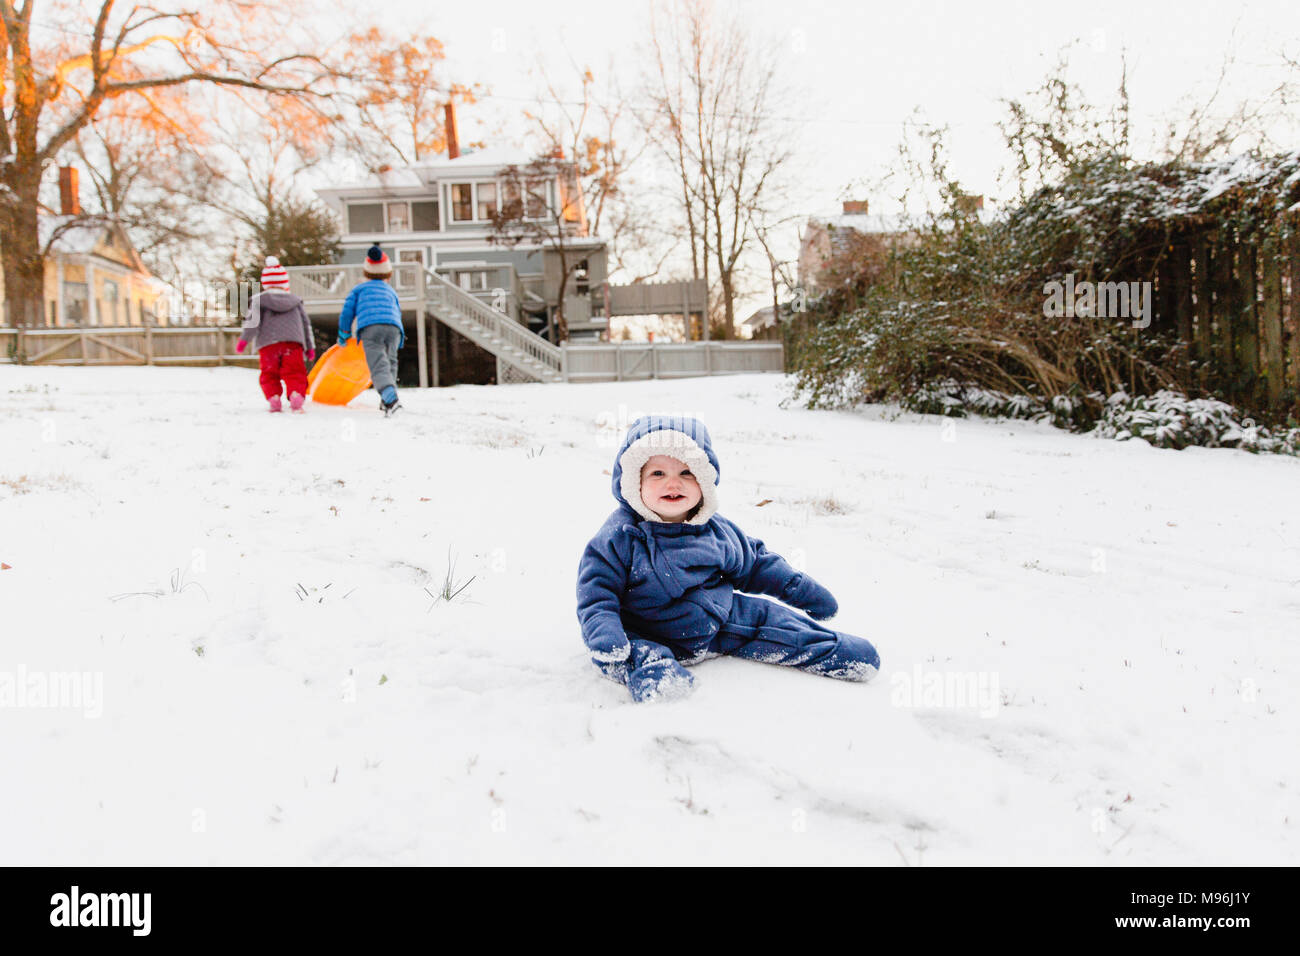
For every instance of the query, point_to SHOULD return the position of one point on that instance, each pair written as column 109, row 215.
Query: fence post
column 1270, row 318
column 1295, row 314
column 1204, row 292
column 1248, row 324
column 82, row 335
column 1225, row 308
column 1183, row 294
column 221, row 344
column 148, row 344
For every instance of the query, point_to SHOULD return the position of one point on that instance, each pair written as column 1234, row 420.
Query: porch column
column 92, row 310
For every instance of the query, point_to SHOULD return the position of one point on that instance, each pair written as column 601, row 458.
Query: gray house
column 438, row 214
column 434, row 219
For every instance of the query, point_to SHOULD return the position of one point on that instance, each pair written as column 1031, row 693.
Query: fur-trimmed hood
column 685, row 439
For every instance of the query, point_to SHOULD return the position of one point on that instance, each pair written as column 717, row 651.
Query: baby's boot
column 274, row 402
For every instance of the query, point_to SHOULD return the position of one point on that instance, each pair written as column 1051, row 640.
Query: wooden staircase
column 522, row 355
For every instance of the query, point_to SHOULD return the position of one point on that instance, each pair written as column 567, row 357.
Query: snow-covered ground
column 1090, row 648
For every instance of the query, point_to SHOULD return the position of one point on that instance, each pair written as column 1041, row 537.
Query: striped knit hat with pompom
column 274, row 278
column 377, row 265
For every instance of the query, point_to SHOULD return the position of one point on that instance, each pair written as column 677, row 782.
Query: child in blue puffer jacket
column 373, row 313
column 667, row 581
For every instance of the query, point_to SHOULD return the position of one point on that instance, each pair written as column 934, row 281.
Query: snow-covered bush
column 1170, row 419
column 1167, row 419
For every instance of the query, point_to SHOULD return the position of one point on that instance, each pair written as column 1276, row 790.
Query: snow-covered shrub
column 1169, row 419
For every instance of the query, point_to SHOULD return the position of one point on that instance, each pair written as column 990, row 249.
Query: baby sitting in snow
column 667, row 581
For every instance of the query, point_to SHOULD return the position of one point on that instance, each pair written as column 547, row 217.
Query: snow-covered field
column 1091, row 649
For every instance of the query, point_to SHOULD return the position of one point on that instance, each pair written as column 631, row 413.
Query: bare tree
column 149, row 171
column 715, row 100
column 528, row 213
column 594, row 130
column 583, row 139
column 52, row 92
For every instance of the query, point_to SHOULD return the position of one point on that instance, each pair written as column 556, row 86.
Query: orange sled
column 340, row 375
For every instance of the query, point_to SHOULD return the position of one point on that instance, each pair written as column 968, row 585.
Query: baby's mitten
column 241, row 345
column 609, row 648
column 663, row 679
column 614, row 670
column 807, row 595
column 311, row 355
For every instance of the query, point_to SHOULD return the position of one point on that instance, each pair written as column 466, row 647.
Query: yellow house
column 94, row 277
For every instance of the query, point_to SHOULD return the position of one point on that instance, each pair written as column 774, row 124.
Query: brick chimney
column 855, row 207
column 969, row 205
column 69, row 194
column 453, row 145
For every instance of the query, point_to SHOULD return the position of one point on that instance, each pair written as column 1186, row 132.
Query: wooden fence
column 1236, row 307
column 139, row 345
column 208, row 345
column 638, row 361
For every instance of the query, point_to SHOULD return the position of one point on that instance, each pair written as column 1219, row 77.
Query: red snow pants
column 282, row 361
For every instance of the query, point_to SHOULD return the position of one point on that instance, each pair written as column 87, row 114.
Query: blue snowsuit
column 653, row 595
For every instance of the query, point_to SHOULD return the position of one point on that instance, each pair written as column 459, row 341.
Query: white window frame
column 450, row 204
column 437, row 203
column 383, row 216
column 451, row 201
column 398, row 253
column 388, row 230
column 549, row 202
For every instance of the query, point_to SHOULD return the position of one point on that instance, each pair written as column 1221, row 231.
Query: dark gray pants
column 380, row 343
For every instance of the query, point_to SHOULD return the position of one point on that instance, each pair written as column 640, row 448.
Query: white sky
column 864, row 67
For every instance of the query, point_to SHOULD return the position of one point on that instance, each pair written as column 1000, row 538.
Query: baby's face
column 668, row 488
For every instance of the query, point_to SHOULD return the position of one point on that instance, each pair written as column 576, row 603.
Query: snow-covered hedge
column 1167, row 419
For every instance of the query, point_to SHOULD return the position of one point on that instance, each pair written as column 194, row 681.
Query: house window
column 365, row 217
column 487, row 200
column 472, row 281
column 109, row 304
column 75, row 297
column 404, row 279
column 538, row 199
column 399, row 217
column 462, row 202
column 424, row 217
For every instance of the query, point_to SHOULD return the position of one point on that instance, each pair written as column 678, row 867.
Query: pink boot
column 295, row 401
column 274, row 402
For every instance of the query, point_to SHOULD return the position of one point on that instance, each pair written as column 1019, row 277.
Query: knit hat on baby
column 377, row 264
column 274, row 278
